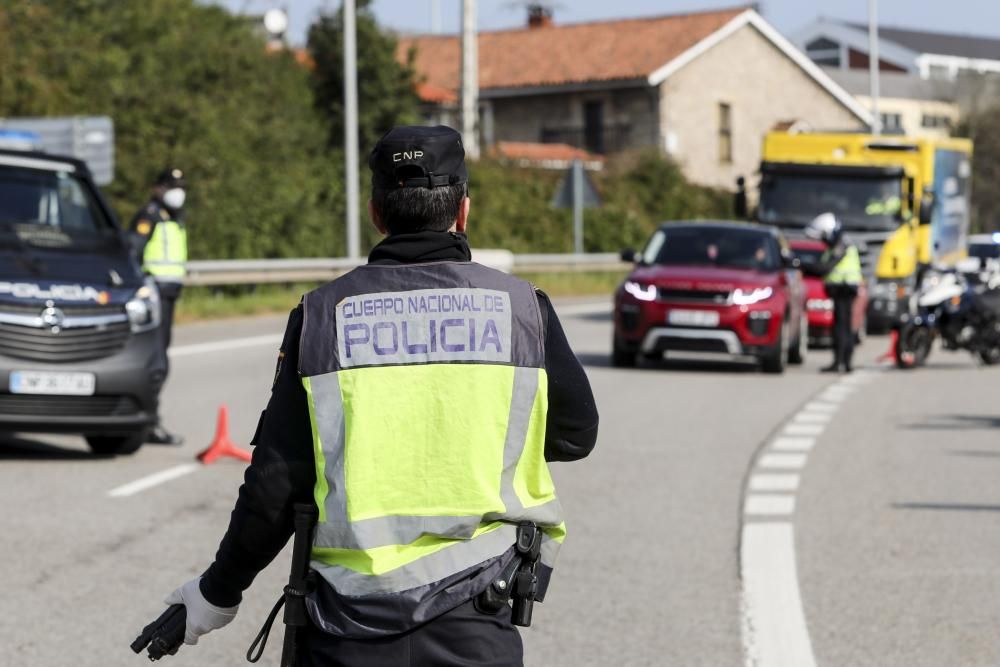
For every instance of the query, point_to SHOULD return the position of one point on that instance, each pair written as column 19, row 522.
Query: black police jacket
column 283, row 470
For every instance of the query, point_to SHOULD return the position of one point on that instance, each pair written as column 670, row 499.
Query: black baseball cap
column 171, row 177
column 414, row 156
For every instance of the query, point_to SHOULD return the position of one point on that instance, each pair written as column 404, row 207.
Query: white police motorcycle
column 960, row 306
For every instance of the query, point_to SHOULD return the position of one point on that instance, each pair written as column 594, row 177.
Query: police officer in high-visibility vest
column 417, row 402
column 160, row 239
column 840, row 268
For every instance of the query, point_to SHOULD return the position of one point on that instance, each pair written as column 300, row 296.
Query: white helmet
column 825, row 227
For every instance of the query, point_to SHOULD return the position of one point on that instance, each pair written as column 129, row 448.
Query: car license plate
column 46, row 382
column 693, row 318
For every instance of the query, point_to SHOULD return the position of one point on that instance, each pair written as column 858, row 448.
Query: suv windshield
column 808, row 256
column 51, row 207
column 704, row 245
column 861, row 203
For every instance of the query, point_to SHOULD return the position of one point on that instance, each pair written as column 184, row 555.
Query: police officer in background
column 160, row 240
column 417, row 401
column 840, row 268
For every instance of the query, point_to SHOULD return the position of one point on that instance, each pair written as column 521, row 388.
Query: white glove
column 202, row 616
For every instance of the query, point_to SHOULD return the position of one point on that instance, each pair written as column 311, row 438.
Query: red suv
column 729, row 289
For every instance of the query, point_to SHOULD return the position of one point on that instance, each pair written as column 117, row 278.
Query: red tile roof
column 523, row 150
column 562, row 54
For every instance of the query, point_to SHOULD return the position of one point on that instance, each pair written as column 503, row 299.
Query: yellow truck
column 903, row 201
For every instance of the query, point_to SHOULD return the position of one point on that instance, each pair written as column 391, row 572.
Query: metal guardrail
column 258, row 271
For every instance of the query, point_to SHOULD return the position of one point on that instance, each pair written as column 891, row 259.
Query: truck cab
column 903, row 201
column 79, row 323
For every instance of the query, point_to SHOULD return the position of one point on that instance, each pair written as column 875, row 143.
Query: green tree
column 983, row 127
column 386, row 89
column 192, row 86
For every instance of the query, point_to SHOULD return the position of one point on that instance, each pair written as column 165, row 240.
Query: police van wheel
column 111, row 445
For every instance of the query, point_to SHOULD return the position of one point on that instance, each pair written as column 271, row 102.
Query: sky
column 980, row 17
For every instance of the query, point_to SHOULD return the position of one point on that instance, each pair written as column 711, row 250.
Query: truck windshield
column 49, row 206
column 705, row 245
column 863, row 203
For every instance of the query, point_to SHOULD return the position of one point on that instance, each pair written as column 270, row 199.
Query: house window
column 891, row 122
column 725, row 133
column 824, row 51
column 935, row 121
column 593, row 127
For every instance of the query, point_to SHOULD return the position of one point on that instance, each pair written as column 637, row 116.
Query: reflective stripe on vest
column 165, row 255
column 428, row 408
column 847, row 271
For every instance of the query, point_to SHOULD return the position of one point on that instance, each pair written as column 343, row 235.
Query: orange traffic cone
column 890, row 354
column 222, row 445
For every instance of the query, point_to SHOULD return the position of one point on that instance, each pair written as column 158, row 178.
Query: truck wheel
column 773, row 361
column 110, row 445
column 621, row 355
column 991, row 356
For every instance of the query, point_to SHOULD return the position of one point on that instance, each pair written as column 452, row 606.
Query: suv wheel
column 110, row 445
column 797, row 351
column 773, row 361
column 621, row 355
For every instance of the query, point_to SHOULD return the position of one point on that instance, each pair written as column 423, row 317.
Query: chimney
column 539, row 16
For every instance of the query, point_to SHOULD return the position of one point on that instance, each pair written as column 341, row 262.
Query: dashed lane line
column 771, row 482
column 224, row 345
column 149, row 481
column 769, row 505
column 774, row 625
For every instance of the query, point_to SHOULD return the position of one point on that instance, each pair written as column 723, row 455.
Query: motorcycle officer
column 840, row 268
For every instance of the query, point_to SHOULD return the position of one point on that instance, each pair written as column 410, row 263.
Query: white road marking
column 570, row 310
column 782, row 461
column 225, row 345
column 793, row 444
column 803, row 429
column 765, row 482
column 774, row 626
column 812, row 417
column 820, row 406
column 769, row 505
column 149, row 481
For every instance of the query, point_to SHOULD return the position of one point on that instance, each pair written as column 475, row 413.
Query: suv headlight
column 640, row 291
column 749, row 297
column 144, row 308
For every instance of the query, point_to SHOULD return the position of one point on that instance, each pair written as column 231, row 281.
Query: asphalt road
column 896, row 560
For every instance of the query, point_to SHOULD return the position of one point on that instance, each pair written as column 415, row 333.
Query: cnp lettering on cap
column 423, row 326
column 405, row 155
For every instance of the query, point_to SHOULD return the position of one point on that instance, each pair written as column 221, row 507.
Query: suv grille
column 695, row 295
column 68, row 406
column 71, row 343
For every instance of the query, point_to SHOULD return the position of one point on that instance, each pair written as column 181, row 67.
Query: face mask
column 174, row 198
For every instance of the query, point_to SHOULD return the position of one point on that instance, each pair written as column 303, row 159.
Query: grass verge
column 206, row 303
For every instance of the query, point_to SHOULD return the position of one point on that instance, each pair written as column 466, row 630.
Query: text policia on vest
column 458, row 324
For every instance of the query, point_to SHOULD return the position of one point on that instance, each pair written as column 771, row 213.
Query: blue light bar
column 20, row 140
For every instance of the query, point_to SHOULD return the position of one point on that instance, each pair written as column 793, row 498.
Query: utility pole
column 873, row 64
column 351, row 129
column 470, row 79
column 436, row 16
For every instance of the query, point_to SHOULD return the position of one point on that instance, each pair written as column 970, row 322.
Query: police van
column 79, row 348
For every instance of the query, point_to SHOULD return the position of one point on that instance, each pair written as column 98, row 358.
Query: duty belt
column 518, row 581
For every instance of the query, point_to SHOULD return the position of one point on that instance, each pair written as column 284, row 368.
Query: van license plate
column 693, row 318
column 46, row 382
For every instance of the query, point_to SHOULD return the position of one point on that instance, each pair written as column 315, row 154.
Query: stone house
column 702, row 87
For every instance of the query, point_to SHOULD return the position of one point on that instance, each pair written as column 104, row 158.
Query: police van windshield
column 39, row 205
column 705, row 245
